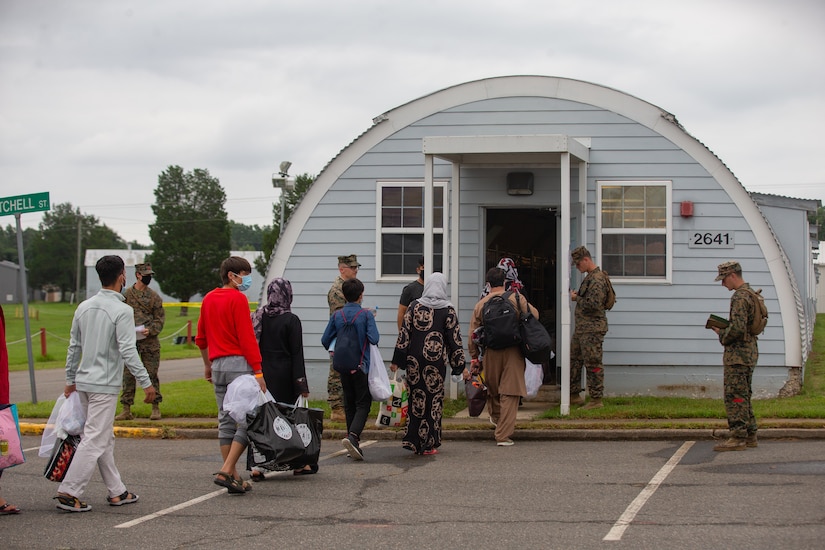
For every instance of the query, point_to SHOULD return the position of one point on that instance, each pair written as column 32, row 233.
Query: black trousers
column 357, row 400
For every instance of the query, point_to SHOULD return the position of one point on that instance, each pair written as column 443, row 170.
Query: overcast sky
column 97, row 98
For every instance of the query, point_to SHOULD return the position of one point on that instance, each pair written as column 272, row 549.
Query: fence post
column 189, row 331
column 43, row 341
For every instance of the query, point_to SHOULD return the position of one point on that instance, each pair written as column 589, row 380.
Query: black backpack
column 500, row 320
column 348, row 354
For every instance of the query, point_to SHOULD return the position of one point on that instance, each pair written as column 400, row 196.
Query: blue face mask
column 246, row 282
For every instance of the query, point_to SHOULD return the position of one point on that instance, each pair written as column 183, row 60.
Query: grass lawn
column 56, row 320
column 195, row 398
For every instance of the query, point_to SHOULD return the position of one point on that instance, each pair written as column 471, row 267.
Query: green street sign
column 22, row 204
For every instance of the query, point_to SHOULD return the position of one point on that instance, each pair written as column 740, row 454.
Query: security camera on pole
column 281, row 181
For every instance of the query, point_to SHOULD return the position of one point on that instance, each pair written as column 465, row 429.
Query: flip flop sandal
column 125, row 498
column 71, row 504
column 233, row 486
column 257, row 476
column 9, row 509
column 313, row 469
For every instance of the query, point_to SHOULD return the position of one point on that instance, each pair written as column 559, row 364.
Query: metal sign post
column 17, row 205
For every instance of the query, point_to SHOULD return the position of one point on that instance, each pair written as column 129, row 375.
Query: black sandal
column 313, row 469
column 125, row 498
column 233, row 486
column 71, row 504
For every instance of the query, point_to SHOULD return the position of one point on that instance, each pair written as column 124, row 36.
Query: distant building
column 133, row 257
column 10, row 283
column 819, row 269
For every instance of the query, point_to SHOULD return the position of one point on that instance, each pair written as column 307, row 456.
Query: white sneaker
column 505, row 443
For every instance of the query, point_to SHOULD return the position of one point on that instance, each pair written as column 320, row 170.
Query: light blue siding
column 656, row 330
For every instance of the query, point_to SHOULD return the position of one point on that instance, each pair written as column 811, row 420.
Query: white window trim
column 379, row 231
column 667, row 231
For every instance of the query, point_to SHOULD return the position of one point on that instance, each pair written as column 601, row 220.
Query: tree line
column 190, row 236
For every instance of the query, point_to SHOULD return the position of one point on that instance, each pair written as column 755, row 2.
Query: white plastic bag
column 241, row 397
column 71, row 417
column 533, row 378
column 51, row 431
column 378, row 379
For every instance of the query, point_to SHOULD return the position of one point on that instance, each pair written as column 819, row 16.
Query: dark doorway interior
column 528, row 236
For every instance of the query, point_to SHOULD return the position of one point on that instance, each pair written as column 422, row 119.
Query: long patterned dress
column 428, row 340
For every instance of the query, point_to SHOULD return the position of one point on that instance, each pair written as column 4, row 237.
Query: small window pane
column 391, row 196
column 414, row 196
column 390, row 217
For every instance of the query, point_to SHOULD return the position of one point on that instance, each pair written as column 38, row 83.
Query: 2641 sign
column 711, row 239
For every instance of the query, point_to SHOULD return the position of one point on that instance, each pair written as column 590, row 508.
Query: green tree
column 291, row 197
column 247, row 237
column 51, row 255
column 819, row 220
column 190, row 233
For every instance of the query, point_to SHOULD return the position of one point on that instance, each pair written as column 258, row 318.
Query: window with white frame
column 634, row 225
column 401, row 227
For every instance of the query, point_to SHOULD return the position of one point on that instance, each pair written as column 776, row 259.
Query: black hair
column 495, row 276
column 109, row 268
column 352, row 289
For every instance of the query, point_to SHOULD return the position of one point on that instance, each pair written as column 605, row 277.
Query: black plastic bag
column 535, row 340
column 476, row 393
column 274, row 441
column 310, row 426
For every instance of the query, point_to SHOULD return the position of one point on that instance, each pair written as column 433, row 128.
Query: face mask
column 246, row 282
column 146, row 279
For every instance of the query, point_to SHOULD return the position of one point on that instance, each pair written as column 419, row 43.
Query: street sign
column 22, row 204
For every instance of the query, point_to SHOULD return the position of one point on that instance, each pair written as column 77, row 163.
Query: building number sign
column 711, row 239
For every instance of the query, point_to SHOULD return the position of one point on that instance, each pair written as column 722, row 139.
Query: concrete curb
column 475, row 434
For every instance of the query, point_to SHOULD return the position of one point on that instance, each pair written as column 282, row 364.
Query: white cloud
column 98, row 98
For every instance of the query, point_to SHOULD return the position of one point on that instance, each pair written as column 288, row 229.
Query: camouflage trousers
column 738, row 392
column 586, row 352
column 150, row 355
column 335, row 392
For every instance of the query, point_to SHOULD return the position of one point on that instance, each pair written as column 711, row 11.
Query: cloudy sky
column 97, row 98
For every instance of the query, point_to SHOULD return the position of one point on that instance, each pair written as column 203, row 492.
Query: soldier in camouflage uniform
column 347, row 269
column 149, row 312
column 741, row 354
column 588, row 336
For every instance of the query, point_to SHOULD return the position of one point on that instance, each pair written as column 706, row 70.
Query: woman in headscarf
column 430, row 337
column 511, row 280
column 281, row 341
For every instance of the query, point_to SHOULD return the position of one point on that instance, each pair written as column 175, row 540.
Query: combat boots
column 155, row 412
column 338, row 415
column 126, row 414
column 731, row 444
column 576, row 399
column 751, row 441
column 594, row 404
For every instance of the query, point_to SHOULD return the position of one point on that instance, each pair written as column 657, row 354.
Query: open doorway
column 528, row 236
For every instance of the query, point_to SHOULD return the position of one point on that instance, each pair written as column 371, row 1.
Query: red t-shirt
column 225, row 327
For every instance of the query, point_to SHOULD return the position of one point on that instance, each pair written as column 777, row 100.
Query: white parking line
column 213, row 494
column 630, row 513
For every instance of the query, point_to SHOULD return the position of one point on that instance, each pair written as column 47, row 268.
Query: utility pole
column 77, row 284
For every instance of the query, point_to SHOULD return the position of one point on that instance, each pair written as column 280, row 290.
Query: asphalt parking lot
column 536, row 494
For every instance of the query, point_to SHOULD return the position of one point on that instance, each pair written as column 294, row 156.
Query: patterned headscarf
column 279, row 300
column 511, row 280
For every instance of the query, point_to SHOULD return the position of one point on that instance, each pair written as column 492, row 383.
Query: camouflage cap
column 351, row 260
column 579, row 253
column 144, row 269
column 727, row 268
